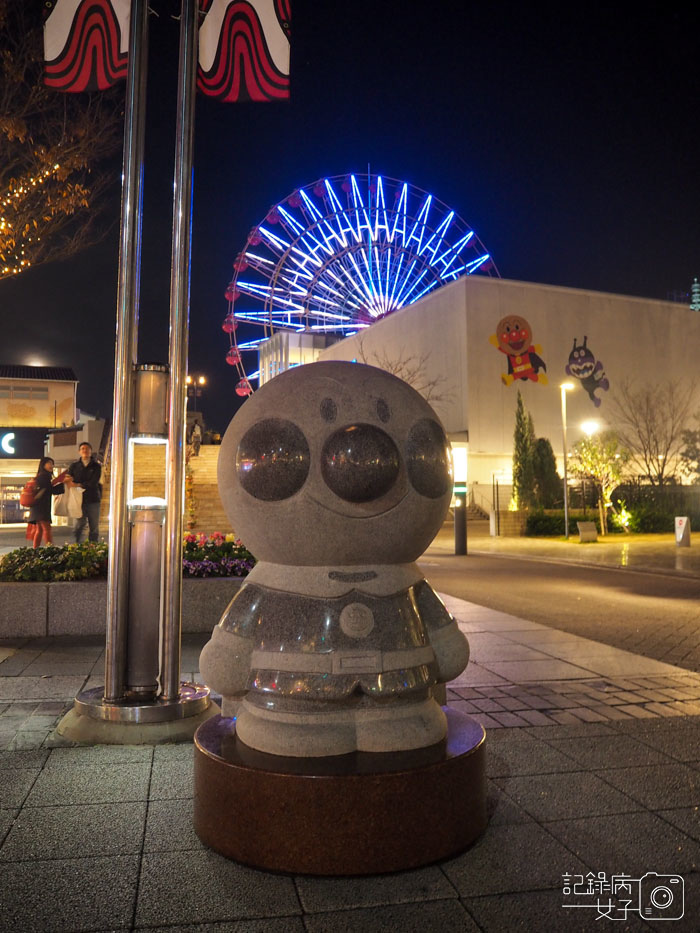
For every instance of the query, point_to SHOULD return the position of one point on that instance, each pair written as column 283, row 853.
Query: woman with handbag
column 40, row 511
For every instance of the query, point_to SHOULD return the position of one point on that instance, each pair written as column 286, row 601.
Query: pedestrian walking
column 86, row 473
column 40, row 511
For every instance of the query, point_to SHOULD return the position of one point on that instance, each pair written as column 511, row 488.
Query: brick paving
column 599, row 700
column 589, row 776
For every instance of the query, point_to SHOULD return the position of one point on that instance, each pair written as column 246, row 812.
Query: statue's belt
column 341, row 662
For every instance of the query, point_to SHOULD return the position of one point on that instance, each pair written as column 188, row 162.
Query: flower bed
column 214, row 556
column 87, row 561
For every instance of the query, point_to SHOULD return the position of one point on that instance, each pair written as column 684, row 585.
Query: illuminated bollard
column 460, row 512
column 146, row 520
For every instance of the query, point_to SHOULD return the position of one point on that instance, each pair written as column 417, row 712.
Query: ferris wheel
column 339, row 254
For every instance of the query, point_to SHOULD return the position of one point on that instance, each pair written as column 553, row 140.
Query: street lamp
column 565, row 387
column 590, row 428
column 195, row 384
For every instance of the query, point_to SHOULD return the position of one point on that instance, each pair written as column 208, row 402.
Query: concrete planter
column 38, row 609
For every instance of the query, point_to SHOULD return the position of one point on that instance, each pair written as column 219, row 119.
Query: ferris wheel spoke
column 404, row 297
column 342, row 220
column 277, row 242
column 360, row 212
column 396, row 278
column 439, row 235
column 451, row 256
column 381, row 221
column 400, row 219
column 419, row 226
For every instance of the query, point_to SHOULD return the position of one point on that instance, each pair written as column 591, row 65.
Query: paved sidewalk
column 593, row 764
column 656, row 553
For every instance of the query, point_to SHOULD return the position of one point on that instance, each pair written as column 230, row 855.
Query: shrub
column 551, row 524
column 72, row 562
column 645, row 518
column 214, row 556
column 542, row 524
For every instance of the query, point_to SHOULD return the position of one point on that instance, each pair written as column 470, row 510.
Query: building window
column 31, row 392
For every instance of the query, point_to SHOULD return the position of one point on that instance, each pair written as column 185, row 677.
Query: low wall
column 507, row 524
column 38, row 609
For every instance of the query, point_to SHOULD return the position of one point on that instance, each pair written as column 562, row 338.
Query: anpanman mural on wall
column 513, row 337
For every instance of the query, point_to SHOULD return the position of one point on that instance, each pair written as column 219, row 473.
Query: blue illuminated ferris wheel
column 339, row 254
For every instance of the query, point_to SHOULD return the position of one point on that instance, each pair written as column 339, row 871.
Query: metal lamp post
column 565, row 387
column 195, row 384
column 459, row 464
column 144, row 590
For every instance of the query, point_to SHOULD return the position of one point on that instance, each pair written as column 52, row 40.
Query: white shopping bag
column 73, row 497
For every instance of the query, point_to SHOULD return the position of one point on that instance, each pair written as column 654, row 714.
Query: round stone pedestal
column 358, row 814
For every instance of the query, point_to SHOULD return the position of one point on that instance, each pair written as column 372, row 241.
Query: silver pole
column 566, row 477
column 125, row 351
column 179, row 335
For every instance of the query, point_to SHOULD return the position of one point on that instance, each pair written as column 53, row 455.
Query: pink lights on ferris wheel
column 345, row 251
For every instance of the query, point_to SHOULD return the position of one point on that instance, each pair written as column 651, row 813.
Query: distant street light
column 565, row 387
column 195, row 384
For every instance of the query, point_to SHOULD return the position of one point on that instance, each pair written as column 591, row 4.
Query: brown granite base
column 358, row 814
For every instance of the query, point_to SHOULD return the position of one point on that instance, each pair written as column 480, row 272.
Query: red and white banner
column 244, row 49
column 86, row 44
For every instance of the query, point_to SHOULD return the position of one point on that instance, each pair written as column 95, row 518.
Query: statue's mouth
column 359, row 576
column 356, row 516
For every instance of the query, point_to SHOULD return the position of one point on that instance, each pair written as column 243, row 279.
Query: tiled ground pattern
column 101, row 839
column 601, row 775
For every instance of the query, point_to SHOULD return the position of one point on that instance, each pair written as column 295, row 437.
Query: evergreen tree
column 523, row 457
column 548, row 484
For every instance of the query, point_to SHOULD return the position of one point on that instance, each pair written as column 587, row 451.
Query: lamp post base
column 137, row 722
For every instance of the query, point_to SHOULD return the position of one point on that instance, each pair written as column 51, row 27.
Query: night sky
column 565, row 135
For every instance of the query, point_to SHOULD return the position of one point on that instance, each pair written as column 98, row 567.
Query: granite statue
column 336, row 476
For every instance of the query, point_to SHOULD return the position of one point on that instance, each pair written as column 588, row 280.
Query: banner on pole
column 244, row 50
column 86, row 44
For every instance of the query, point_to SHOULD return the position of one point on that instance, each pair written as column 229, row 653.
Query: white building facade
column 595, row 341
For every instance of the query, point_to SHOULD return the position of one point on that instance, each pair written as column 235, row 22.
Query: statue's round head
column 335, row 463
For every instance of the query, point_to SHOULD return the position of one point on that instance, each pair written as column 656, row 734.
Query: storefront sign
column 22, row 443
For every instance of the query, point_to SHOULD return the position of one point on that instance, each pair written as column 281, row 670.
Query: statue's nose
column 360, row 462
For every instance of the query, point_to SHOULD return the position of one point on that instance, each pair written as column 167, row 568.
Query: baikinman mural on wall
column 513, row 337
column 588, row 370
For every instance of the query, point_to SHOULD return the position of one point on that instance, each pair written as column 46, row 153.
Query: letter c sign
column 6, row 443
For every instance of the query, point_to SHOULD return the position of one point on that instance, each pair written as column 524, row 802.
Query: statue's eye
column 427, row 459
column 360, row 463
column 272, row 460
column 383, row 410
column 329, row 410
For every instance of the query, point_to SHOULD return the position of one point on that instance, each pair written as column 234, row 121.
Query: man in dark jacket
column 86, row 472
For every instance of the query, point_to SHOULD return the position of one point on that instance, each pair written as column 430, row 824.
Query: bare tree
column 412, row 368
column 52, row 151
column 650, row 422
column 602, row 457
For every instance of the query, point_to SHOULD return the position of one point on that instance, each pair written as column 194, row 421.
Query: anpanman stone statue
column 336, row 476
